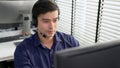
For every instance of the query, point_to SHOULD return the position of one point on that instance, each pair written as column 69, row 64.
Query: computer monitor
column 105, row 55
column 11, row 12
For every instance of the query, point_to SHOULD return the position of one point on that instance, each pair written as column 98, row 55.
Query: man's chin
column 51, row 35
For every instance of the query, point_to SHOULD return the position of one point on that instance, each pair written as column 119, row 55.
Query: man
column 38, row 50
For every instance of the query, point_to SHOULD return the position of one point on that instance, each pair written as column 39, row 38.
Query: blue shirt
column 32, row 54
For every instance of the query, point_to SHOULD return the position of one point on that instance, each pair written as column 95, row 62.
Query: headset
column 35, row 23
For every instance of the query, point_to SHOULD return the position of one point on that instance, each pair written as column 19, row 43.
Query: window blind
column 85, row 21
column 109, row 21
column 65, row 15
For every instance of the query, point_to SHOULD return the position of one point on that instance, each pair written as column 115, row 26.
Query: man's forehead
column 47, row 17
column 50, row 13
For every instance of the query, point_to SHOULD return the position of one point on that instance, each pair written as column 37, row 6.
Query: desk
column 7, row 50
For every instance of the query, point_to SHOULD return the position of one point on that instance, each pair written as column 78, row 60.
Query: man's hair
column 42, row 7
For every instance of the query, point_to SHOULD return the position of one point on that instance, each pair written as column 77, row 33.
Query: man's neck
column 48, row 41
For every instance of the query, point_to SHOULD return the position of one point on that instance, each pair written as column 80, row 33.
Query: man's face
column 48, row 22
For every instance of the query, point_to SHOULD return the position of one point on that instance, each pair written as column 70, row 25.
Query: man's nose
column 51, row 25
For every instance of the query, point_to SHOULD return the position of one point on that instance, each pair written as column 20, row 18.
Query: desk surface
column 7, row 50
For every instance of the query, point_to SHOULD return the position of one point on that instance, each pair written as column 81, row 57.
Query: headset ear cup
column 35, row 22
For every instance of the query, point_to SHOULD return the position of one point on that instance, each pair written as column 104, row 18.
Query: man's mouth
column 51, row 32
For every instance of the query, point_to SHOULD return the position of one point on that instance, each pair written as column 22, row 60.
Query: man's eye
column 46, row 21
column 55, row 20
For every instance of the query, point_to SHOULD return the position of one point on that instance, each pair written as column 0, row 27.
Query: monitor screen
column 104, row 55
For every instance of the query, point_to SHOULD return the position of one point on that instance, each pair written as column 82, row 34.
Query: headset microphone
column 44, row 35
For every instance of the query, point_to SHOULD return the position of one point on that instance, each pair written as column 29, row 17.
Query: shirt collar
column 37, row 41
column 57, row 38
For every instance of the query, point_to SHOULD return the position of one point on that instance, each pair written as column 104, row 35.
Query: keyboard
column 11, row 38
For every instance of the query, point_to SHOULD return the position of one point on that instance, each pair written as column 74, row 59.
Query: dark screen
column 105, row 55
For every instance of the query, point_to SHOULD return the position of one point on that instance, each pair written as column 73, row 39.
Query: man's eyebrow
column 56, row 18
column 49, row 19
column 45, row 19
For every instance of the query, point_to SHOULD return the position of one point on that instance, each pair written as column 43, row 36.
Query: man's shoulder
column 63, row 34
column 25, row 45
column 27, row 41
column 67, row 38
